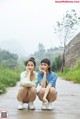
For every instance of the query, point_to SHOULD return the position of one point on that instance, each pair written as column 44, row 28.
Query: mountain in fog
column 13, row 46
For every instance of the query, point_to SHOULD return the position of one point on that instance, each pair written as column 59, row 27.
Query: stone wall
column 72, row 54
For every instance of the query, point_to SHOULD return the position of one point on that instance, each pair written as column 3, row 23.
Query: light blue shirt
column 51, row 78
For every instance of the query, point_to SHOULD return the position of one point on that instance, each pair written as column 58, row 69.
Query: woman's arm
column 23, row 78
column 43, row 83
column 46, row 93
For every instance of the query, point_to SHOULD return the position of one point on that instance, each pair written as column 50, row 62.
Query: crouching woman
column 47, row 79
column 28, row 83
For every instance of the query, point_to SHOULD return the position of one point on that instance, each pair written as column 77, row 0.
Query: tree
column 42, row 53
column 41, row 48
column 57, row 63
column 8, row 59
column 66, row 28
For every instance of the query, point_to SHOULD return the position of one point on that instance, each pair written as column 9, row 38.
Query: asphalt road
column 67, row 105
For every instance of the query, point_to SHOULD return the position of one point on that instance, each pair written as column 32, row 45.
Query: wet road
column 67, row 105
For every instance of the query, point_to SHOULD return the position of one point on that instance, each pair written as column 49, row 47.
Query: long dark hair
column 47, row 61
column 32, row 59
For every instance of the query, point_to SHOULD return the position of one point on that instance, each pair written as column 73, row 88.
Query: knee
column 42, row 90
column 41, row 93
column 22, row 88
column 33, row 90
column 53, row 91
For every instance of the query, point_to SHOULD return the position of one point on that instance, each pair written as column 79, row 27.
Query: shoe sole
column 20, row 108
column 31, row 109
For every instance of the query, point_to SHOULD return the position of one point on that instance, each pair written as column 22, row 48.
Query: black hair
column 47, row 61
column 32, row 59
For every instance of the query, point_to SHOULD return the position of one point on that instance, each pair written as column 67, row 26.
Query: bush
column 8, row 78
column 72, row 74
column 57, row 63
column 2, row 88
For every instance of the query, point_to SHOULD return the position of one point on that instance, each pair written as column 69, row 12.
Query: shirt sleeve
column 23, row 78
column 53, row 80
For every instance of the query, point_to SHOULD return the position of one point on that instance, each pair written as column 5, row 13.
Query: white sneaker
column 44, row 106
column 31, row 106
column 20, row 106
column 49, row 106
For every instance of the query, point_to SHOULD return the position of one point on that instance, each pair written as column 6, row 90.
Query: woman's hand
column 42, row 70
column 27, row 85
column 28, row 71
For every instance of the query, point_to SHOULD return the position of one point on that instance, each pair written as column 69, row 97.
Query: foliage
column 57, row 63
column 67, row 26
column 2, row 88
column 72, row 74
column 65, row 29
column 8, row 59
column 8, row 77
column 42, row 53
column 9, row 70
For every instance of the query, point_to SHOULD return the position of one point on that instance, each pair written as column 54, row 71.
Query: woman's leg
column 46, row 94
column 32, row 94
column 22, row 93
column 52, row 95
column 31, row 97
column 41, row 93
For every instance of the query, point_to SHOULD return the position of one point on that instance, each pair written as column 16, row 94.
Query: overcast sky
column 31, row 21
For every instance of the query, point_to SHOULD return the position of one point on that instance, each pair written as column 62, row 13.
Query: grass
column 8, row 78
column 72, row 74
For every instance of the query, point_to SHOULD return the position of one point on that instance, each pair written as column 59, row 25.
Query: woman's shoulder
column 23, row 73
column 40, row 74
column 53, row 73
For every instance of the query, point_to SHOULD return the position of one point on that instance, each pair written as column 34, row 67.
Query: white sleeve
column 23, row 78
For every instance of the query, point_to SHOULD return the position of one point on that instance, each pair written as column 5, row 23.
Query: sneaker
column 20, row 106
column 44, row 106
column 31, row 106
column 49, row 106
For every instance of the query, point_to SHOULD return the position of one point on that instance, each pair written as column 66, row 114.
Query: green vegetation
column 57, row 63
column 72, row 74
column 8, row 59
column 42, row 53
column 9, row 70
column 8, row 78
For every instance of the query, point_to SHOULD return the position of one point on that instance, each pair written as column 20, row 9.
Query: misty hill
column 13, row 46
column 8, row 59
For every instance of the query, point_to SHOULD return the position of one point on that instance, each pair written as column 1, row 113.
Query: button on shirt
column 51, row 78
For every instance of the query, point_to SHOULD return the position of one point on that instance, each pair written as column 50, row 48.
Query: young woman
column 47, row 80
column 28, row 84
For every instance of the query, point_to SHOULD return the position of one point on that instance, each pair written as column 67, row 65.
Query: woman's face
column 30, row 66
column 44, row 66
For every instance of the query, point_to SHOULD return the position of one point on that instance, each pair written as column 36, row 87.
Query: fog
column 27, row 23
